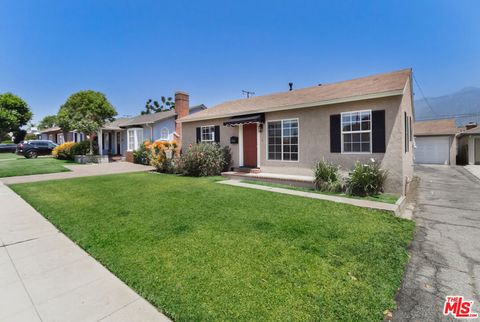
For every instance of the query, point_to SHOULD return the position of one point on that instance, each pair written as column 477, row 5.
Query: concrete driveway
column 446, row 248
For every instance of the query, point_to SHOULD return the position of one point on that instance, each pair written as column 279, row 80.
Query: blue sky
column 135, row 50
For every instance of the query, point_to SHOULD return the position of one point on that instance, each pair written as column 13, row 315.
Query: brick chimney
column 182, row 107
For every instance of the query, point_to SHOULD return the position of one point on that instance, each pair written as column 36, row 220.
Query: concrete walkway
column 349, row 201
column 474, row 169
column 81, row 171
column 44, row 276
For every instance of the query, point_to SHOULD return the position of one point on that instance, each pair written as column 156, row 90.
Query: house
column 56, row 135
column 469, row 144
column 124, row 135
column 344, row 122
column 435, row 142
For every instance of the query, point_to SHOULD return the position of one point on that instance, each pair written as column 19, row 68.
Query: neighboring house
column 345, row 122
column 56, row 135
column 123, row 136
column 469, row 145
column 435, row 142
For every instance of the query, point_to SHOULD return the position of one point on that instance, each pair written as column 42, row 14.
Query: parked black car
column 33, row 148
column 8, row 147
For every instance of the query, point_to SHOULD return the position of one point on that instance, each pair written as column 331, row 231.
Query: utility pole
column 248, row 93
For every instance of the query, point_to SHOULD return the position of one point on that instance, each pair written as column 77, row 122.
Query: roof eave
column 397, row 92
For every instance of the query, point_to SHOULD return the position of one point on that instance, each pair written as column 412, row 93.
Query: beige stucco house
column 344, row 122
column 469, row 145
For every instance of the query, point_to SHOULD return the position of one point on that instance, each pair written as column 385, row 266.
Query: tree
column 47, row 122
column 19, row 136
column 155, row 107
column 14, row 113
column 87, row 112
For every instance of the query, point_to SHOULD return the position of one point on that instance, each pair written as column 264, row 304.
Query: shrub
column 327, row 177
column 83, row 148
column 205, row 159
column 142, row 155
column 227, row 157
column 63, row 151
column 163, row 156
column 366, row 179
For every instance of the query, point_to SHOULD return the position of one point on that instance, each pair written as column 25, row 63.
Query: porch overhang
column 245, row 119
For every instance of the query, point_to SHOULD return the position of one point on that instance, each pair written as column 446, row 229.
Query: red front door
column 250, row 145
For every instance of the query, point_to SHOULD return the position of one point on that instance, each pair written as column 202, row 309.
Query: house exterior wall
column 406, row 108
column 158, row 126
column 314, row 139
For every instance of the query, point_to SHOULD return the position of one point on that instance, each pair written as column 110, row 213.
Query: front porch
column 110, row 144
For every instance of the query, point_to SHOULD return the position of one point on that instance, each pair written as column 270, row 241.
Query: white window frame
column 212, row 132
column 164, row 138
column 358, row 131
column 298, row 140
column 136, row 138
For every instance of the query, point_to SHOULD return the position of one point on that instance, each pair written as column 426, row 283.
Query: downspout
column 151, row 131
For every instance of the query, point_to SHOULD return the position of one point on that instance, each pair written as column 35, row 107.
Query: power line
column 421, row 92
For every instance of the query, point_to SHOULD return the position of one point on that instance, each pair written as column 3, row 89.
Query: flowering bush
column 163, row 155
column 205, row 159
column 366, row 179
column 83, row 148
column 327, row 177
column 142, row 155
column 63, row 151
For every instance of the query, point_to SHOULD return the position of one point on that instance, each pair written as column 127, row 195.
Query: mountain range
column 463, row 105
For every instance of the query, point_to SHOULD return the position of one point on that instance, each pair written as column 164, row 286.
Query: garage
column 432, row 149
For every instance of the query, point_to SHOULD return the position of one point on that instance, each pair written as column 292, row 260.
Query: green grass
column 202, row 251
column 384, row 197
column 8, row 156
column 23, row 167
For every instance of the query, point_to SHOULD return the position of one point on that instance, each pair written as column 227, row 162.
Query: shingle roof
column 144, row 119
column 435, row 127
column 51, row 129
column 475, row 130
column 387, row 84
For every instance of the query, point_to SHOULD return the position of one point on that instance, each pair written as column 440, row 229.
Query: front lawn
column 9, row 156
column 20, row 166
column 201, row 251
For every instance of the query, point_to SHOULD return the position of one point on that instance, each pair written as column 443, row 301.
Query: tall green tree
column 47, row 122
column 14, row 113
column 86, row 111
column 167, row 103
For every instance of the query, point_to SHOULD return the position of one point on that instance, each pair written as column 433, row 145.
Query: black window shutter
column 335, row 134
column 198, row 135
column 378, row 131
column 217, row 133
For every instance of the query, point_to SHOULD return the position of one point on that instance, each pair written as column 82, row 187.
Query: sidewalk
column 355, row 202
column 44, row 276
column 81, row 171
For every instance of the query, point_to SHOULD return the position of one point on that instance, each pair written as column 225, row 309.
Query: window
column 357, row 132
column 134, row 138
column 207, row 133
column 164, row 134
column 407, row 135
column 283, row 140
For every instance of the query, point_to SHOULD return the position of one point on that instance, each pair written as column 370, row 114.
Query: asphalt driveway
column 446, row 248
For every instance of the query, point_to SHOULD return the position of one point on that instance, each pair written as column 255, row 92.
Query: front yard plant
column 366, row 179
column 201, row 251
column 327, row 177
column 205, row 159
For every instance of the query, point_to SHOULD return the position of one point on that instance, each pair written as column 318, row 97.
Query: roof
column 51, row 129
column 145, row 118
column 381, row 85
column 435, row 127
column 475, row 130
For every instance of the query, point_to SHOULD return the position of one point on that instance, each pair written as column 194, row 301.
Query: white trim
column 136, row 143
column 295, row 106
column 99, row 142
column 240, row 145
column 359, row 131
column 162, row 138
column 212, row 132
column 298, row 140
column 258, row 146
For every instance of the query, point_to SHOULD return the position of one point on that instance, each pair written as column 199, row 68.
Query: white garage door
column 432, row 149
